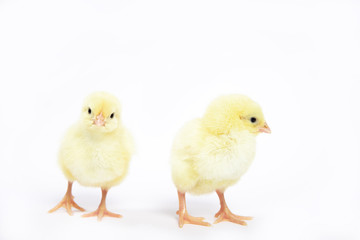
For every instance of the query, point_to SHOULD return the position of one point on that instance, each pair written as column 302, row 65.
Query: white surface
column 166, row 60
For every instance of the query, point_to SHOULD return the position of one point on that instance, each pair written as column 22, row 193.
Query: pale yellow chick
column 213, row 152
column 95, row 151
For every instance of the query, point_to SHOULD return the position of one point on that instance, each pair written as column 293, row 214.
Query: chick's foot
column 102, row 211
column 226, row 215
column 67, row 202
column 185, row 218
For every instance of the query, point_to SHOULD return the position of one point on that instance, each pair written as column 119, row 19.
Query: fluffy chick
column 95, row 151
column 213, row 152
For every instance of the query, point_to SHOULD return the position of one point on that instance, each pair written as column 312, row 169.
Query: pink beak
column 99, row 120
column 265, row 129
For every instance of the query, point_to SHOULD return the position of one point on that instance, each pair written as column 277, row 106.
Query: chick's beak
column 99, row 120
column 265, row 128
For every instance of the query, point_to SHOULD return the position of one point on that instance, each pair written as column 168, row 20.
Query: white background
column 166, row 60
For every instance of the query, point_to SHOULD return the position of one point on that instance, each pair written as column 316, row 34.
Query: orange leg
column 184, row 217
column 102, row 211
column 224, row 214
column 67, row 202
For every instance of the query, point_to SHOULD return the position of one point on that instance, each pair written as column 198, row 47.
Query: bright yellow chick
column 213, row 152
column 95, row 151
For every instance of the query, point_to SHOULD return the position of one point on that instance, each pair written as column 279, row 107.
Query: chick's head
column 101, row 112
column 234, row 112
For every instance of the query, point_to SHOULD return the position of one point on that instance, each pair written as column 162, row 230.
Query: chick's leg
column 102, row 211
column 184, row 217
column 67, row 202
column 224, row 214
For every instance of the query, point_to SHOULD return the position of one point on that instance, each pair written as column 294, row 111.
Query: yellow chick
column 95, row 151
column 213, row 152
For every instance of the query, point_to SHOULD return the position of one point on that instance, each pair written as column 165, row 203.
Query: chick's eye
column 253, row 119
column 112, row 115
column 89, row 111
